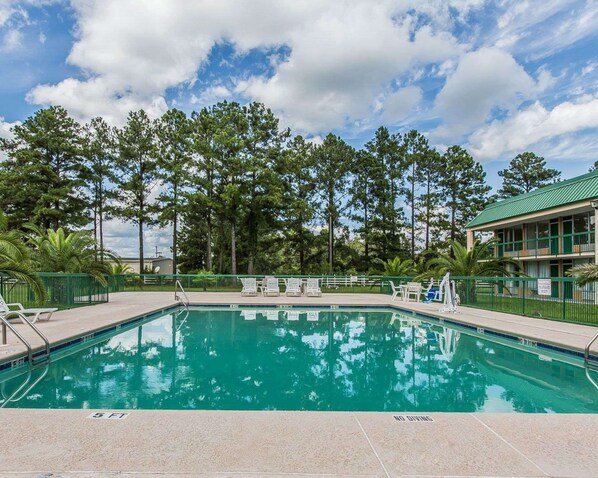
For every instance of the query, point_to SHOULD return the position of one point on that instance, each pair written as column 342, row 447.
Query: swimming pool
column 302, row 359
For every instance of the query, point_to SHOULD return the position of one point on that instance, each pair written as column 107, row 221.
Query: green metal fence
column 563, row 300
column 64, row 291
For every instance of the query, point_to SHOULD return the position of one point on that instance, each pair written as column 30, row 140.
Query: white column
column 471, row 239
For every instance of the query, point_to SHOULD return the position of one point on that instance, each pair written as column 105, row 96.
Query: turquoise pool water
column 269, row 359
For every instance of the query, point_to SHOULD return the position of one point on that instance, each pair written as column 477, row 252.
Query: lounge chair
column 271, row 287
column 292, row 315
column 312, row 288
column 31, row 315
column 313, row 315
column 249, row 286
column 412, row 291
column 293, row 287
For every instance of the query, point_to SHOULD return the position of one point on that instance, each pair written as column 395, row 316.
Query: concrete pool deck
column 239, row 443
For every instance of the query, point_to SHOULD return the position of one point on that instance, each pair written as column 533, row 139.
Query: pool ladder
column 40, row 358
column 184, row 299
column 588, row 361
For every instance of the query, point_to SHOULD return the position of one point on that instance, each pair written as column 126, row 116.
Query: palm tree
column 399, row 268
column 479, row 261
column 120, row 268
column 584, row 273
column 15, row 260
column 57, row 251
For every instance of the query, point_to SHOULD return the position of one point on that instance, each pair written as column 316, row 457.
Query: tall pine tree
column 525, row 173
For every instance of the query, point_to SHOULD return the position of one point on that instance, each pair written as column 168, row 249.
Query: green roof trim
column 558, row 194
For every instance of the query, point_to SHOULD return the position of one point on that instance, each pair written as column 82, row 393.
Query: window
column 581, row 228
column 543, row 231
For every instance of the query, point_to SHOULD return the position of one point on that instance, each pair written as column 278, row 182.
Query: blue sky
column 498, row 77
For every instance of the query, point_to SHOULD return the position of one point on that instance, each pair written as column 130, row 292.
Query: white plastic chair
column 249, row 314
column 293, row 287
column 271, row 315
column 413, row 290
column 292, row 315
column 249, row 286
column 313, row 315
column 397, row 290
column 312, row 288
column 271, row 287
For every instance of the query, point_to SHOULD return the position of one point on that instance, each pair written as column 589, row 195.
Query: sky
column 497, row 77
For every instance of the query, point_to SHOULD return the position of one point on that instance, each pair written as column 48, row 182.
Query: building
column 159, row 265
column 549, row 230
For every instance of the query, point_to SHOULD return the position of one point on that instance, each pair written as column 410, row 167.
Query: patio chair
column 313, row 315
column 31, row 315
column 271, row 287
column 412, row 291
column 293, row 287
column 249, row 286
column 397, row 290
column 312, row 288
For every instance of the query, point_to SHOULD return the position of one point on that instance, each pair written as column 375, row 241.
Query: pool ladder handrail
column 5, row 323
column 24, row 388
column 589, row 362
column 178, row 285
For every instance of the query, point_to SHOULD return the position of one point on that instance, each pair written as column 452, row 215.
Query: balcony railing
column 578, row 243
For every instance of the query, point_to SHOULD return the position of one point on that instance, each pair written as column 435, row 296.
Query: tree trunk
column 413, row 211
column 209, row 239
column 330, row 232
column 140, row 231
column 233, row 249
column 174, row 242
column 366, row 233
column 428, row 205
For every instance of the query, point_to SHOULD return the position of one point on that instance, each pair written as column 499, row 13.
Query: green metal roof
column 570, row 191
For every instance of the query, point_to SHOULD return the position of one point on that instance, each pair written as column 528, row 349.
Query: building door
column 554, row 237
column 554, row 272
column 567, row 286
column 568, row 235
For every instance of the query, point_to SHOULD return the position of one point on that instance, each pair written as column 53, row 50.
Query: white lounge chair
column 272, row 315
column 292, row 315
column 31, row 315
column 249, row 286
column 293, row 287
column 271, row 287
column 312, row 288
column 313, row 315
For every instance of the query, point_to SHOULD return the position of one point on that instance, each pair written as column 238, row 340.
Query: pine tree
column 42, row 179
column 333, row 159
column 387, row 216
column 99, row 151
column 298, row 178
column 463, row 189
column 525, row 173
column 137, row 168
column 174, row 153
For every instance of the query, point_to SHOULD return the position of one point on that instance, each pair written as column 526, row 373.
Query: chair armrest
column 19, row 305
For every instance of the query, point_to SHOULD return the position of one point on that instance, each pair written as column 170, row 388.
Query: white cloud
column 400, row 104
column 343, row 54
column 211, row 95
column 12, row 40
column 6, row 133
column 532, row 125
column 484, row 79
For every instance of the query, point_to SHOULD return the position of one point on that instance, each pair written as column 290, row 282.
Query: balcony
column 577, row 244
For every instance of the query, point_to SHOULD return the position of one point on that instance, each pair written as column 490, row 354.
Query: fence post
column 564, row 314
column 523, row 297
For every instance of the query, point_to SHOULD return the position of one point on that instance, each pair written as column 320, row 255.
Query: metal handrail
column 6, row 323
column 586, row 352
column 176, row 296
column 13, row 397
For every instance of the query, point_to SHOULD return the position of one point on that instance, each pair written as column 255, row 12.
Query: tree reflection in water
column 336, row 360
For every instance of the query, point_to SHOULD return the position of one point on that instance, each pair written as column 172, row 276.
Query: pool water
column 272, row 359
